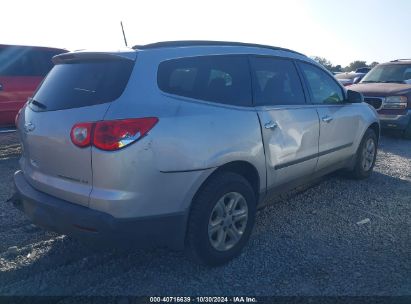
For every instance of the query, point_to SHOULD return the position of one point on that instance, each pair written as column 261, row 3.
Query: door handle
column 327, row 119
column 1, row 87
column 270, row 125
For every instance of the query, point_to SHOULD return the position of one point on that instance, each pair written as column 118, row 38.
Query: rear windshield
column 80, row 84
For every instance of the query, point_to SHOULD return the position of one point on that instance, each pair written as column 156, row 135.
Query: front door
column 290, row 127
column 339, row 121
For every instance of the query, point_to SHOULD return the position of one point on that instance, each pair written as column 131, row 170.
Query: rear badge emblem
column 28, row 127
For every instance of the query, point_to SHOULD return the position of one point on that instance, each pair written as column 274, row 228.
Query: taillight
column 81, row 134
column 117, row 134
column 16, row 119
column 110, row 135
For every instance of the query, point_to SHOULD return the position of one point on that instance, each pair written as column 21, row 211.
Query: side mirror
column 354, row 97
column 357, row 80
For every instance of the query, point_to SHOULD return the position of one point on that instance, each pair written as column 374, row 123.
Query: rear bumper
column 94, row 226
column 399, row 122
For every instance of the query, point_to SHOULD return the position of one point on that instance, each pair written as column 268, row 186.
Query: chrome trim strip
column 300, row 160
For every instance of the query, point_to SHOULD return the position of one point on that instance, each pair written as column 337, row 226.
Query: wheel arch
column 376, row 128
column 243, row 168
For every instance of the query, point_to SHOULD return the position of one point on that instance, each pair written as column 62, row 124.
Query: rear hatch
column 79, row 88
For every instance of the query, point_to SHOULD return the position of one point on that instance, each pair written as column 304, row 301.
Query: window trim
column 305, row 93
column 204, row 101
column 307, row 85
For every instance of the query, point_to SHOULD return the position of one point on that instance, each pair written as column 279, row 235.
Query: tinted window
column 25, row 61
column 362, row 70
column 41, row 61
column 74, row 85
column 324, row 89
column 407, row 73
column 276, row 82
column 222, row 79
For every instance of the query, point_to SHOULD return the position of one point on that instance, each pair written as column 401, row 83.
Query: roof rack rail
column 402, row 59
column 184, row 43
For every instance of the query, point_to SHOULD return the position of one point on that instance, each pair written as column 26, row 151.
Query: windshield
column 396, row 73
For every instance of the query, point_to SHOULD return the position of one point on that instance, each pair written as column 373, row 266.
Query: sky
column 340, row 31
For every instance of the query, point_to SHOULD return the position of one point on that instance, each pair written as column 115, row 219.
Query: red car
column 22, row 68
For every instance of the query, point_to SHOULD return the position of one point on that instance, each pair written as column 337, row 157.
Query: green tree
column 355, row 65
column 337, row 68
column 324, row 62
column 373, row 64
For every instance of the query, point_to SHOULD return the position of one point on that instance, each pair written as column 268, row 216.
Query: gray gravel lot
column 340, row 237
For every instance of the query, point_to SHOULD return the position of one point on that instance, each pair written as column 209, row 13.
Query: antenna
column 124, row 35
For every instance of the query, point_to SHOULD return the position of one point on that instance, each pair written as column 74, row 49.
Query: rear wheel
column 366, row 155
column 221, row 219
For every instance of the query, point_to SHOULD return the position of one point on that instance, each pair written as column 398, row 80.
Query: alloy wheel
column 368, row 154
column 228, row 221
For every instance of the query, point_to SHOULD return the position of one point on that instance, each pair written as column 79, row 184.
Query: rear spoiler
column 91, row 56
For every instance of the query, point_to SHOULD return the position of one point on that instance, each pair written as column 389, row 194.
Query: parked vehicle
column 178, row 143
column 363, row 70
column 347, row 79
column 387, row 87
column 22, row 68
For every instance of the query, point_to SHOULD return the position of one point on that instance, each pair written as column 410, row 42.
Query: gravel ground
column 340, row 237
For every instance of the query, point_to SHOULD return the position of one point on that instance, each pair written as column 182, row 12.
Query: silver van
column 179, row 143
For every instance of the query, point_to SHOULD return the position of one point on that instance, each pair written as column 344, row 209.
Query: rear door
column 76, row 90
column 339, row 121
column 290, row 127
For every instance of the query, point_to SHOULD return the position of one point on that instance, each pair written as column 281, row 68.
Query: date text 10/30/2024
column 203, row 300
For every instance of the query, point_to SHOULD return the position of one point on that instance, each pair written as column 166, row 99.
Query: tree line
column 338, row 68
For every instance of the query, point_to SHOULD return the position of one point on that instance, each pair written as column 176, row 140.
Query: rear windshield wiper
column 37, row 103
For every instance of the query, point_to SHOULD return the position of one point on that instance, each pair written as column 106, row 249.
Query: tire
column 364, row 167
column 203, row 236
column 407, row 132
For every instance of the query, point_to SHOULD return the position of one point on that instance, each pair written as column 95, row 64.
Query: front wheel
column 221, row 219
column 366, row 155
column 407, row 131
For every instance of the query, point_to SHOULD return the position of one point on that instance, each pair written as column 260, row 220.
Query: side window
column 25, row 61
column 223, row 79
column 407, row 74
column 276, row 82
column 13, row 61
column 3, row 61
column 41, row 61
column 324, row 89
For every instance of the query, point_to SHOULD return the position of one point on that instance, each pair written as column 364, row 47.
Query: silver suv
column 179, row 143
